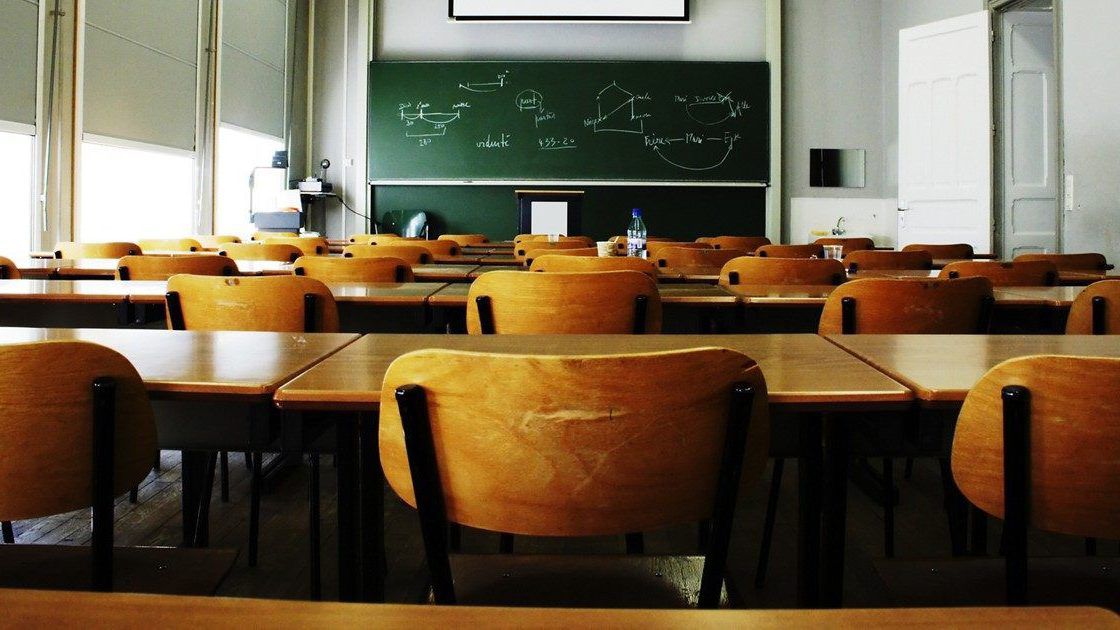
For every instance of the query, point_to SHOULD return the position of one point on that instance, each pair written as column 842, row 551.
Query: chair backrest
column 951, row 251
column 1073, row 443
column 765, row 270
column 1096, row 310
column 271, row 303
column 893, row 306
column 811, row 250
column 328, row 269
column 574, row 445
column 532, row 252
column 691, row 257
column 440, row 247
column 516, row 302
column 213, row 241
column 852, row 244
column 520, row 250
column 869, row 259
column 280, row 252
column 1024, row 273
column 1071, row 262
column 261, row 235
column 465, row 239
column 8, row 269
column 47, row 453
column 523, row 238
column 411, row 254
column 72, row 250
column 170, row 244
column 654, row 248
column 749, row 243
column 309, row 245
column 368, row 238
column 163, row 267
column 557, row 261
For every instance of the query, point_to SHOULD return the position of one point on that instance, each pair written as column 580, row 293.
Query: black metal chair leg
column 635, row 544
column 254, row 507
column 888, row 507
column 454, row 537
column 134, row 495
column 505, row 543
column 248, row 460
column 223, row 473
column 768, row 524
column 158, row 464
column 9, row 534
column 703, row 535
column 313, row 529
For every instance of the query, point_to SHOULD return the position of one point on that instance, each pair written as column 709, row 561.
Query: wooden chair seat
column 160, row 570
column 590, row 581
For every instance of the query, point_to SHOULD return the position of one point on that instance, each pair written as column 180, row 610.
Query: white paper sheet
column 549, row 217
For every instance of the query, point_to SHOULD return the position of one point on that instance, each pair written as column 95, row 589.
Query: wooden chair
column 580, row 455
column 8, row 269
column 519, row 251
column 266, row 303
column 260, row 236
column 440, row 247
column 853, row 244
column 1033, row 273
column 163, row 267
column 749, row 243
column 280, row 252
column 618, row 245
column 1096, row 310
column 381, row 239
column 954, row 251
column 765, row 270
column 866, row 260
column 691, row 257
column 563, row 261
column 309, row 245
column 379, row 269
column 1037, row 444
column 890, row 306
column 366, row 238
column 1092, row 263
column 464, row 240
column 521, row 238
column 170, row 244
column 216, row 241
column 532, row 253
column 790, row 251
column 71, row 250
column 411, row 254
column 515, row 302
column 95, row 440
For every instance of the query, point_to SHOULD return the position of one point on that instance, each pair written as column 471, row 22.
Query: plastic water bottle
column 636, row 235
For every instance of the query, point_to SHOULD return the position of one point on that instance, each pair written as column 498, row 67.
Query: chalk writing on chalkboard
column 488, row 86
column 712, row 109
column 617, row 111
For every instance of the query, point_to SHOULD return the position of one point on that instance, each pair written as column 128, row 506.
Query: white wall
column 721, row 30
column 1091, row 118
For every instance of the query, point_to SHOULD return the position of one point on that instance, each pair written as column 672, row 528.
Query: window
column 239, row 152
column 131, row 191
column 17, row 154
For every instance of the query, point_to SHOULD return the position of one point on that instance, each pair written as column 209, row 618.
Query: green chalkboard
column 578, row 121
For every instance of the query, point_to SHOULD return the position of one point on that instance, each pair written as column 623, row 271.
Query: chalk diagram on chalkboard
column 438, row 122
column 728, row 139
column 617, row 112
column 713, row 110
column 489, row 86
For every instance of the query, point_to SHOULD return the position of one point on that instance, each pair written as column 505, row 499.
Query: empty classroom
column 557, row 314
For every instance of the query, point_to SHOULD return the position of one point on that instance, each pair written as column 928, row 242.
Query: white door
column 944, row 133
column 1028, row 139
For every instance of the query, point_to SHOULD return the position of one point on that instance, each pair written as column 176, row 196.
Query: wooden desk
column 782, row 294
column 64, row 290
column 35, row 266
column 26, row 608
column 941, row 369
column 358, row 293
column 499, row 259
column 455, row 295
column 1059, row 297
column 443, row 272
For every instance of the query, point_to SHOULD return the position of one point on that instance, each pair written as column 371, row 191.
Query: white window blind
column 19, row 31
column 254, row 54
column 141, row 65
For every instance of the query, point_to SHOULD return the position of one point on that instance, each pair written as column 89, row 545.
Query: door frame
column 998, row 8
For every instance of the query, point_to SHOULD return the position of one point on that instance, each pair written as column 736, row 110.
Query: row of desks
column 227, row 390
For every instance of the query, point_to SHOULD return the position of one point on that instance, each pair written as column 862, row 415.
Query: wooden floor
column 283, row 569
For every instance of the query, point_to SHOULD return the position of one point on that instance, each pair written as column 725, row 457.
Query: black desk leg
column 197, row 478
column 347, row 455
column 834, row 510
column 372, row 526
column 809, row 512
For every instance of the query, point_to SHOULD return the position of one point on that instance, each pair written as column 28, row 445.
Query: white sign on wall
column 661, row 10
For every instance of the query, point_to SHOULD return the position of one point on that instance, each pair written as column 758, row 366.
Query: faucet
column 838, row 230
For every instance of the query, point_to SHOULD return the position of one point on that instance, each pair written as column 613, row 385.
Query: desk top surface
column 942, row 368
column 801, row 370
column 27, row 608
column 177, row 362
column 455, row 295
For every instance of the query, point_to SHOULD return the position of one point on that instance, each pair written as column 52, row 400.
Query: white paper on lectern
column 549, row 217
